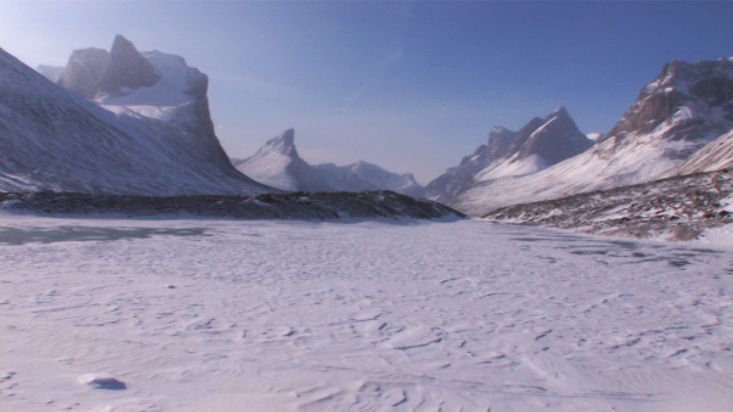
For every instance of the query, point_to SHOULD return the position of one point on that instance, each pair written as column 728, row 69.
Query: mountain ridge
column 278, row 163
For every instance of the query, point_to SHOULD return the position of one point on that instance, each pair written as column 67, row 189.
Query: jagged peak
column 284, row 143
column 560, row 111
column 121, row 43
column 126, row 68
column 500, row 132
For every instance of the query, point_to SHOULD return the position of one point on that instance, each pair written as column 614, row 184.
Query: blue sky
column 410, row 86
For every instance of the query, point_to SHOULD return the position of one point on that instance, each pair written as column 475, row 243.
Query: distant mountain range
column 279, row 165
column 537, row 145
column 662, row 134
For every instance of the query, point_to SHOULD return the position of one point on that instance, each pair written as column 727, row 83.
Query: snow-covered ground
column 222, row 315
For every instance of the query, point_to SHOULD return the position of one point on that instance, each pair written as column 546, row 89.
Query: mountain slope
column 676, row 208
column 278, row 164
column 715, row 155
column 50, row 72
column 675, row 115
column 53, row 139
column 537, row 145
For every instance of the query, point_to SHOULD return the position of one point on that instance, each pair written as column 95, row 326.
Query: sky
column 411, row 86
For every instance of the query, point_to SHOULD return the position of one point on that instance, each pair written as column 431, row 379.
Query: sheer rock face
column 151, row 84
column 126, row 68
column 84, row 71
column 540, row 143
column 55, row 139
column 699, row 95
column 677, row 208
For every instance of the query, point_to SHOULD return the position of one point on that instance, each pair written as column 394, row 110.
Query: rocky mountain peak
column 84, row 70
column 556, row 139
column 500, row 138
column 127, row 68
column 284, row 143
column 693, row 100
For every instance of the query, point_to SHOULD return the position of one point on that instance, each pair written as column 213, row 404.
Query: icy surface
column 357, row 316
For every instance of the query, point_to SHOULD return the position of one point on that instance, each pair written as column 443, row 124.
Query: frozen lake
column 223, row 315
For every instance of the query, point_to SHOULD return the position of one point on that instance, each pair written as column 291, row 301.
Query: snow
column 511, row 167
column 271, row 168
column 164, row 97
column 279, row 316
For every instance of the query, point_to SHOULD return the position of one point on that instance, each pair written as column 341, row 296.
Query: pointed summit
column 556, row 139
column 279, row 165
column 561, row 111
column 127, row 68
column 284, row 143
column 288, row 137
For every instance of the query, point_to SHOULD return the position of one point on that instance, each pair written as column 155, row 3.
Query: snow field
column 220, row 315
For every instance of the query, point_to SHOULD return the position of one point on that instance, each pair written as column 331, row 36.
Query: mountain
column 55, row 139
column 685, row 107
column 537, row 145
column 149, row 84
column 716, row 155
column 52, row 73
column 279, row 165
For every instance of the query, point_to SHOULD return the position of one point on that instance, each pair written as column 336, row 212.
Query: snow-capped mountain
column 537, row 145
column 54, row 139
column 686, row 106
column 150, row 84
column 279, row 165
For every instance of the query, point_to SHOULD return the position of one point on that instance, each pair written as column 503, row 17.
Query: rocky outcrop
column 716, row 155
column 126, row 68
column 690, row 91
column 318, row 206
column 677, row 208
column 84, row 71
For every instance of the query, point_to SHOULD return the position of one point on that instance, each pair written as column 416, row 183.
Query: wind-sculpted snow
column 220, row 315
